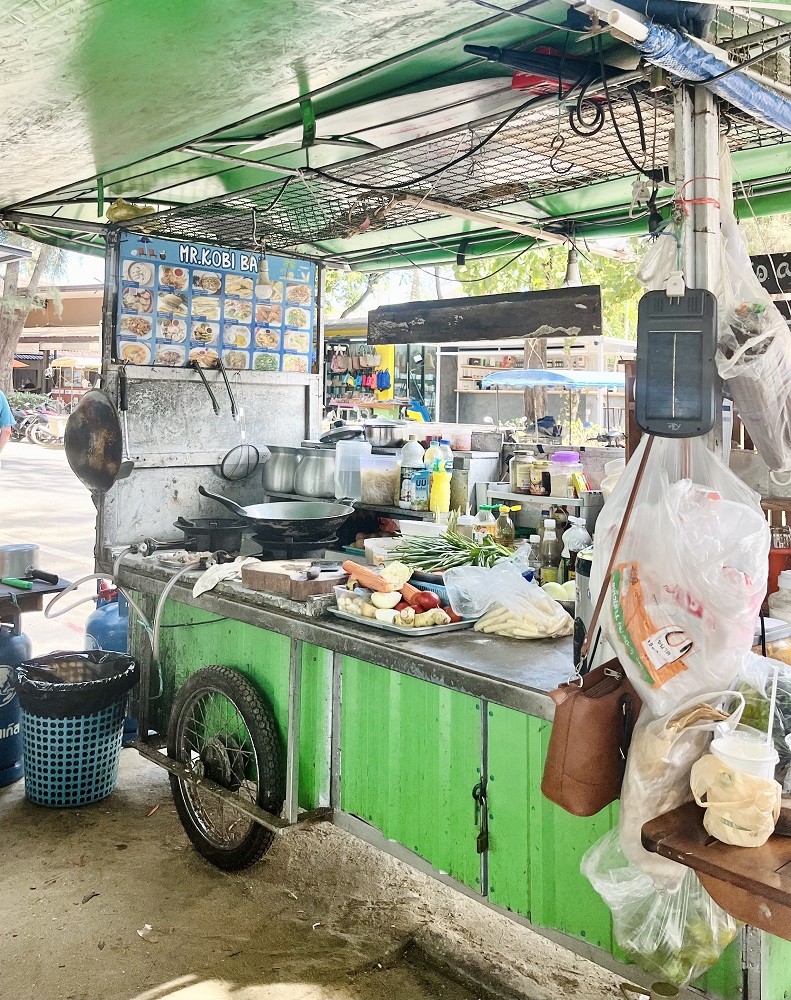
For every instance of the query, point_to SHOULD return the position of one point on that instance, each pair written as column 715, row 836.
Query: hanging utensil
column 224, row 373
column 127, row 464
column 92, row 441
column 196, row 365
column 242, row 460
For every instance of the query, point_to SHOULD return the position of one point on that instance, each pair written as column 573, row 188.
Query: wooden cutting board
column 286, row 577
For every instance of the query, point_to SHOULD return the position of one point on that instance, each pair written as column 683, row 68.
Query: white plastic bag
column 690, row 573
column 505, row 602
column 661, row 756
column 741, row 809
column 754, row 342
column 675, row 935
column 660, row 259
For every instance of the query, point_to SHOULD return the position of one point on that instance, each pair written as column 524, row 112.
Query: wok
column 93, row 441
column 308, row 521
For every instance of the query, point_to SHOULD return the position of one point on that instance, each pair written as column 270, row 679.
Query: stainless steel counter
column 515, row 673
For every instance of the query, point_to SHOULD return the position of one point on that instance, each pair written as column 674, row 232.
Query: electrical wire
column 467, row 281
column 452, row 163
column 747, row 62
column 640, row 168
column 530, row 17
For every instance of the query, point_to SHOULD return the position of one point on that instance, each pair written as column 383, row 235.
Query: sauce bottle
column 504, row 531
column 484, row 523
column 550, row 553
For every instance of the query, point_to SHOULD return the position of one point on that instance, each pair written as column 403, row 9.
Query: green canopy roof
column 316, row 116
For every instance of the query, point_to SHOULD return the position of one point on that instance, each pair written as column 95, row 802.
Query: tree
column 545, row 267
column 21, row 285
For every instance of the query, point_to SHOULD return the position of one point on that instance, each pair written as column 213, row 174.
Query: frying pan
column 308, row 521
column 93, row 442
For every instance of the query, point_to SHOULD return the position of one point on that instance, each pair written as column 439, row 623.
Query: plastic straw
column 772, row 702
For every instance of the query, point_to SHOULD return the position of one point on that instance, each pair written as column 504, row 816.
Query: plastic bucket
column 747, row 754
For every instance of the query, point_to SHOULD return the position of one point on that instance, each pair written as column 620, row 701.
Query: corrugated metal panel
column 536, row 847
column 264, row 658
column 411, row 755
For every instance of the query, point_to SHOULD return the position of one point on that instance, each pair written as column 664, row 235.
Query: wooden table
column 14, row 602
column 753, row 884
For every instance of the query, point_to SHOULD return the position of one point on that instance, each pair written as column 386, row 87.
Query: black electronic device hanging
column 675, row 391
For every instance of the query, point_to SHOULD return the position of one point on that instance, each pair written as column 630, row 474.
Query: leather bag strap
column 619, row 538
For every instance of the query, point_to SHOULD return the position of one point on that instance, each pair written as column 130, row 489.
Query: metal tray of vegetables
column 406, row 632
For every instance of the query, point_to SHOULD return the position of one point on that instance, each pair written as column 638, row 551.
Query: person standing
column 6, row 421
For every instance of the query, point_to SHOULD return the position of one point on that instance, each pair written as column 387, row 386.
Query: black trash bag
column 67, row 684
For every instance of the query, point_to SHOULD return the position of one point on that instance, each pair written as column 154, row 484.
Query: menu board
column 183, row 302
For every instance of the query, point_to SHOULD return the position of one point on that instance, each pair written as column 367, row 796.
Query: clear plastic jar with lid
column 780, row 601
column 562, row 467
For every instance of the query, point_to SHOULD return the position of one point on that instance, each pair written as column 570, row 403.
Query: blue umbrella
column 533, row 378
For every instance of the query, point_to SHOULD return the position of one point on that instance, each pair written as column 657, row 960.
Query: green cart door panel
column 777, row 968
column 410, row 757
column 535, row 848
column 264, row 658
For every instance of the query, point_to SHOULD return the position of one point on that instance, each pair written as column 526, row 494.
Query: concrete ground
column 112, row 902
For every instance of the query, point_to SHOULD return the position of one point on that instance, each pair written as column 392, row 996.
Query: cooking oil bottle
column 504, row 531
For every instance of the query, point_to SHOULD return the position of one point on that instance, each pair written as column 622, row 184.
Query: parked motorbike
column 23, row 419
column 47, row 429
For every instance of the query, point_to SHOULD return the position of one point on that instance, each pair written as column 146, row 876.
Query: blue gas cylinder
column 108, row 628
column 14, row 648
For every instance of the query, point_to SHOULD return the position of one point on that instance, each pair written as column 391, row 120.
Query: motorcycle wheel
column 40, row 435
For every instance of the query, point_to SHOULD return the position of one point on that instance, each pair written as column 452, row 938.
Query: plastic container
column 504, row 532
column 432, row 452
column 348, row 456
column 411, row 458
column 575, row 538
column 378, row 477
column 461, row 439
column 614, row 468
column 421, row 528
column 539, row 479
column 485, row 522
column 780, row 601
column 519, row 471
column 535, row 557
column 446, row 454
column 742, row 751
column 550, row 553
column 380, row 550
column 464, row 525
column 439, row 498
column 778, row 640
column 562, row 467
column 73, row 707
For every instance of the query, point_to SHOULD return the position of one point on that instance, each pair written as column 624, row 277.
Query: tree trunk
column 438, row 283
column 14, row 308
column 373, row 280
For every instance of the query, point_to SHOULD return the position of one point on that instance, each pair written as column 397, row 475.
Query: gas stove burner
column 288, row 548
column 208, row 534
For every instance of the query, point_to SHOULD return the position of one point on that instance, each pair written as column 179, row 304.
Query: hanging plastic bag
column 741, row 809
column 660, row 259
column 754, row 343
column 675, row 935
column 754, row 682
column 690, row 574
column 661, row 756
column 504, row 602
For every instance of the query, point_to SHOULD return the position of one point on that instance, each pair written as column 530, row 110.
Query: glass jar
column 519, row 471
column 539, row 479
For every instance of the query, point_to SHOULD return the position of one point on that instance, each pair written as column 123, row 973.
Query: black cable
column 452, row 163
column 210, row 621
column 468, row 281
column 530, row 17
column 640, row 168
column 748, row 62
column 281, row 191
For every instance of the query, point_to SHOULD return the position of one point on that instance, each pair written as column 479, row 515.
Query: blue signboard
column 182, row 302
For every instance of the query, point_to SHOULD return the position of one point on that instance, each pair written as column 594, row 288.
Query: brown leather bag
column 595, row 712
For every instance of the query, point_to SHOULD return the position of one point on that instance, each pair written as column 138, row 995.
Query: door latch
column 481, row 817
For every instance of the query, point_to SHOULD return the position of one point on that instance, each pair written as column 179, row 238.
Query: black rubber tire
column 262, row 727
column 38, row 434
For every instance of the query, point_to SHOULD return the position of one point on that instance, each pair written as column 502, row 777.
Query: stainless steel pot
column 278, row 472
column 385, row 433
column 315, row 475
column 15, row 559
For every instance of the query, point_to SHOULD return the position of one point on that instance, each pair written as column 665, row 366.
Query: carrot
column 409, row 593
column 366, row 577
